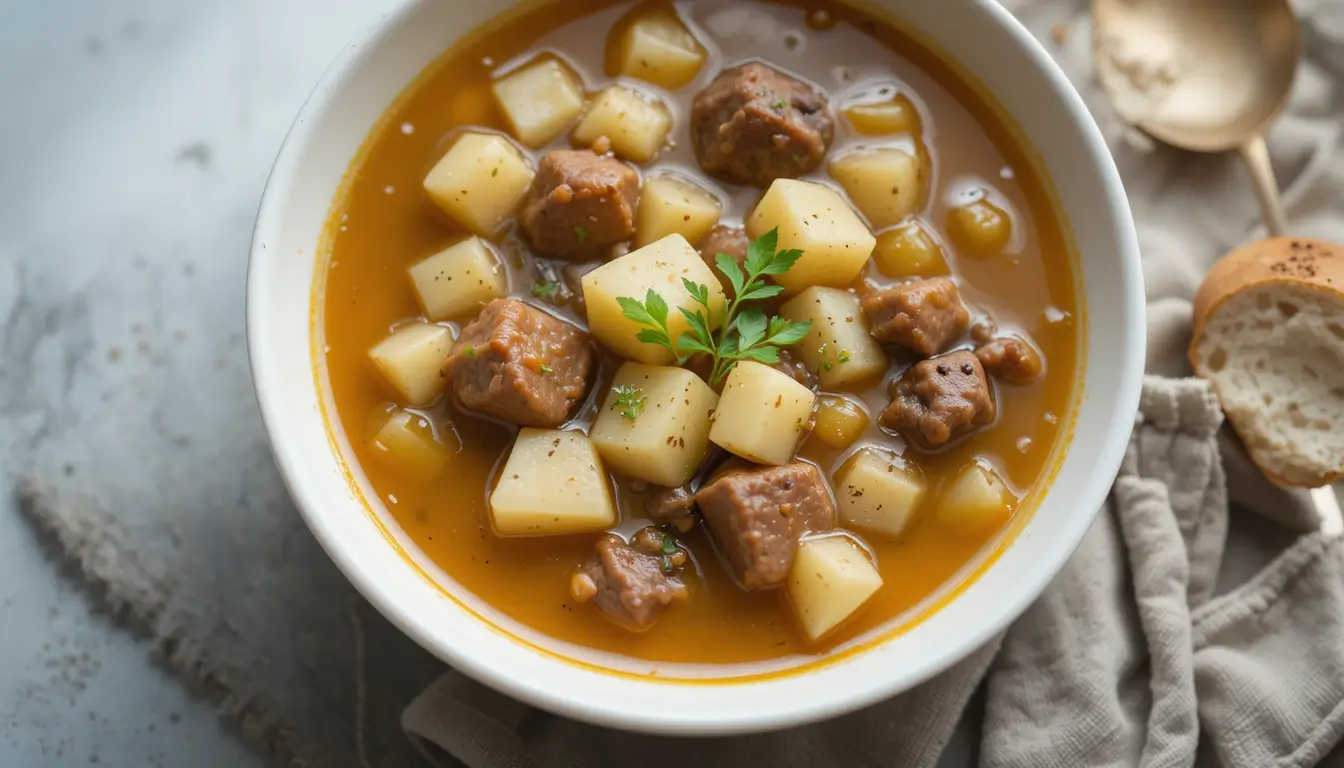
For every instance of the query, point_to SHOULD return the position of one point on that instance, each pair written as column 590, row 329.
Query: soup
column 699, row 332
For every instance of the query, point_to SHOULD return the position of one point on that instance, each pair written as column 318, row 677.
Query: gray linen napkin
column 1127, row 659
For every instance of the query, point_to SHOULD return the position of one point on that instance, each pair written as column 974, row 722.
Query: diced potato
column 553, row 483
column 980, row 230
column 636, row 125
column 659, row 267
column 977, row 502
column 910, row 250
column 830, row 581
column 761, row 414
column 407, row 443
column 540, row 100
column 460, row 279
column 840, row 421
column 838, row 346
column 885, row 184
column 411, row 360
column 668, row 205
column 878, row 491
column 657, row 48
column 668, row 438
column 883, row 118
column 815, row 219
column 480, row 182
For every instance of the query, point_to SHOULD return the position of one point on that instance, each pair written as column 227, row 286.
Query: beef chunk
column 628, row 583
column 939, row 400
column 755, row 124
column 1011, row 359
column 731, row 241
column 580, row 204
column 671, row 506
column 924, row 316
column 797, row 369
column 519, row 364
column 757, row 515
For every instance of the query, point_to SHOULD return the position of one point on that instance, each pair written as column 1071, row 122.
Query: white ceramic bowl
column 986, row 42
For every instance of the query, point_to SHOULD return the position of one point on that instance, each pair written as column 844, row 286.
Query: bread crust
column 1297, row 261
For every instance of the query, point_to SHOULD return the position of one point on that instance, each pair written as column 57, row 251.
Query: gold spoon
column 1206, row 76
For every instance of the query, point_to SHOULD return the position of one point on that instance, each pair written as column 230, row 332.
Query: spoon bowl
column 1203, row 75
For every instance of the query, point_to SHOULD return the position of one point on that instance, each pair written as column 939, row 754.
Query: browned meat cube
column 924, row 316
column 519, row 364
column 1011, row 359
column 580, row 204
column 755, row 124
column 757, row 515
column 671, row 506
column 628, row 583
column 731, row 241
column 940, row 400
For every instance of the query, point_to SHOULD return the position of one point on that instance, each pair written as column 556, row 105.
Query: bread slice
column 1269, row 335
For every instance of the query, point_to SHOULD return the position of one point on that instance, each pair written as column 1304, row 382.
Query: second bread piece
column 1269, row 336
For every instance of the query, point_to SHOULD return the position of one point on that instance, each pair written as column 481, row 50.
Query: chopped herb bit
column 797, row 160
column 630, row 400
column 581, row 235
column 827, row 365
column 494, row 172
column 667, row 564
column 844, row 356
column 547, row 290
column 780, row 104
column 547, row 369
column 736, row 332
column 469, row 351
column 669, row 544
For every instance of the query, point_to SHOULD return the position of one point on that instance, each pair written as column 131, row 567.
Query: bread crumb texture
column 1270, row 337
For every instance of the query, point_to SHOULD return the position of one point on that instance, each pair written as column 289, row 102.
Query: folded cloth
column 1127, row 658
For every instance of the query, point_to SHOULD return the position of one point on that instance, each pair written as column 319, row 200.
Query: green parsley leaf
column 780, row 104
column 732, row 271
column 630, row 400
column 469, row 351
column 547, row 369
column 669, row 544
column 548, row 291
column 581, row 235
column 844, row 356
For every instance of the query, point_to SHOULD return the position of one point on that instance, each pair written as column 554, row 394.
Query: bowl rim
column 278, row 189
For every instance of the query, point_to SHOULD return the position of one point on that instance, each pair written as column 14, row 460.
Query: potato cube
column 669, row 205
column 657, row 48
column 910, row 250
column 878, row 491
column 553, row 483
column 761, row 414
column 411, row 360
column 815, row 219
column 659, row 267
column 979, row 230
column 540, row 100
column 884, row 118
column 460, row 279
column 480, row 182
column 840, row 421
column 636, row 125
column 406, row 442
column 838, row 346
column 977, row 502
column 668, row 438
column 830, row 581
column 885, row 184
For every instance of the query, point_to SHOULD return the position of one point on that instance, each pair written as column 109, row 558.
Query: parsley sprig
column 737, row 332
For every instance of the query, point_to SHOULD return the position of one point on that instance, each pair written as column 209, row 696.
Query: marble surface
column 136, row 140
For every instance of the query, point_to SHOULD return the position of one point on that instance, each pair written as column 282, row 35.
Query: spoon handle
column 1256, row 155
